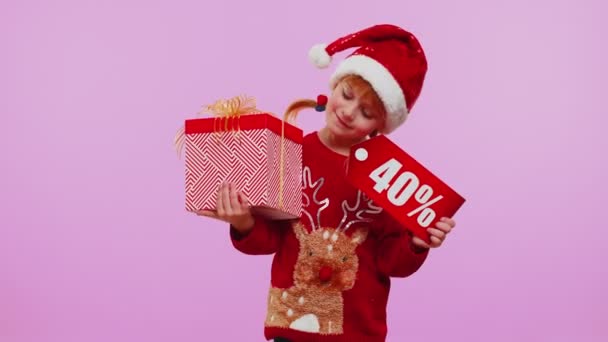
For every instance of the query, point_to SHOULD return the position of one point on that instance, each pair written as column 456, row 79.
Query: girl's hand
column 438, row 234
column 232, row 207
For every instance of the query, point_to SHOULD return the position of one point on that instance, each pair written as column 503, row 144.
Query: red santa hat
column 389, row 58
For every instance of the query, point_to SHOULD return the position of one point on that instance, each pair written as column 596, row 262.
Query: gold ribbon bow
column 223, row 109
column 231, row 109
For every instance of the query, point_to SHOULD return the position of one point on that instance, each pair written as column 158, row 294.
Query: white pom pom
column 319, row 56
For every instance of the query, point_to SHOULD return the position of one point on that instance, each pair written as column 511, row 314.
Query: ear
column 359, row 236
column 299, row 230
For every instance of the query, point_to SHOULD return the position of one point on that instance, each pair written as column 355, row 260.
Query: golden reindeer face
column 327, row 258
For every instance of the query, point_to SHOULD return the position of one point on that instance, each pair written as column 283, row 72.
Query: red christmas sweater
column 331, row 270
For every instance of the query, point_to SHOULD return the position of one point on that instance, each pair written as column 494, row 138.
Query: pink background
column 95, row 244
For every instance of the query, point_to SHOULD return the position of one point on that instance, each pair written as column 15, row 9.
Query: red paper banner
column 403, row 187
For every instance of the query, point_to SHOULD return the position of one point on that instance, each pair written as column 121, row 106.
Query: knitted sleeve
column 264, row 238
column 397, row 256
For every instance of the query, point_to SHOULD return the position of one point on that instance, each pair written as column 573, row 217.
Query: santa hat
column 389, row 58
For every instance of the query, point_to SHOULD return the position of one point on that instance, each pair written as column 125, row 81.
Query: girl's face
column 348, row 117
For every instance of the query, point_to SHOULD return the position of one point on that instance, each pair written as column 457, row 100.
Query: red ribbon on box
column 394, row 180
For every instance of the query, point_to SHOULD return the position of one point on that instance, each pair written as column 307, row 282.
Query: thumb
column 244, row 200
column 419, row 242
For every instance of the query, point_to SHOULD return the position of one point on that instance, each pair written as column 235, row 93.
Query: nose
column 325, row 273
column 348, row 111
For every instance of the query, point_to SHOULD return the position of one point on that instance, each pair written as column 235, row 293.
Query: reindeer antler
column 363, row 205
column 306, row 203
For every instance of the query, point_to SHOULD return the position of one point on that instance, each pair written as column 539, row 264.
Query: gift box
column 258, row 152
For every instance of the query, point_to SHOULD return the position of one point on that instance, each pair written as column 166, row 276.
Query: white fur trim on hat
column 382, row 81
column 318, row 56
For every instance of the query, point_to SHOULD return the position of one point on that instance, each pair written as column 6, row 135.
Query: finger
column 220, row 203
column 419, row 242
column 435, row 241
column 436, row 233
column 235, row 204
column 228, row 211
column 444, row 227
column 207, row 213
column 244, row 201
column 449, row 221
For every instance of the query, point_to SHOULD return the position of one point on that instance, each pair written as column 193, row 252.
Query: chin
column 338, row 132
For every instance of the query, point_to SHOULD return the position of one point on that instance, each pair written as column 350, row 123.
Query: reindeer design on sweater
column 327, row 265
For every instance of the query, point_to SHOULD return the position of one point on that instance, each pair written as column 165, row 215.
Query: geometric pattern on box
column 251, row 160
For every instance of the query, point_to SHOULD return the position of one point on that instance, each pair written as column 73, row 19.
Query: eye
column 346, row 95
column 367, row 113
column 309, row 253
column 344, row 259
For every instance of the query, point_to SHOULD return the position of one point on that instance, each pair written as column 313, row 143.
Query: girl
column 332, row 267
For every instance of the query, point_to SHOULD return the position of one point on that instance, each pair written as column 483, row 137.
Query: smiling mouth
column 341, row 122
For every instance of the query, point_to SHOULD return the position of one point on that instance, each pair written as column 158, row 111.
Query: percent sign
column 402, row 189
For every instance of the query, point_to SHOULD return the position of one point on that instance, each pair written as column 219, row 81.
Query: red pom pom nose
column 325, row 273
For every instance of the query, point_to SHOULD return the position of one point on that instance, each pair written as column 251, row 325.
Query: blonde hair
column 361, row 87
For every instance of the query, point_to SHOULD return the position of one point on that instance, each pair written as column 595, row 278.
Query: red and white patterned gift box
column 252, row 151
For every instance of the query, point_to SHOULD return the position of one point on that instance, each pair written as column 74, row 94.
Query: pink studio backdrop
column 95, row 244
